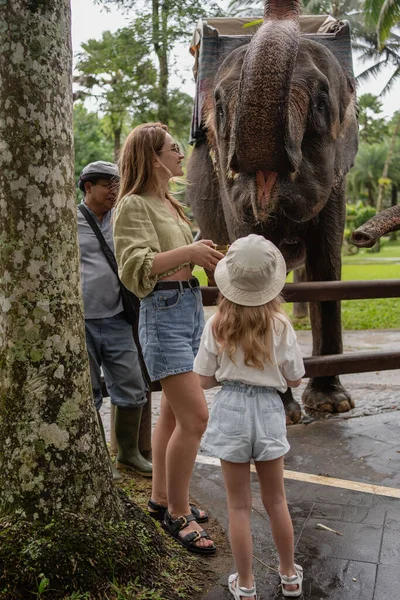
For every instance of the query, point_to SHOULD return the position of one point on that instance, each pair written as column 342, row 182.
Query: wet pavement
column 363, row 563
column 342, row 472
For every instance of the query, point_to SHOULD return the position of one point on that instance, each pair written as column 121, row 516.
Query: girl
column 156, row 253
column 249, row 347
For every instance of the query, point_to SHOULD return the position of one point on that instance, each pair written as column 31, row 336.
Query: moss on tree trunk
column 60, row 515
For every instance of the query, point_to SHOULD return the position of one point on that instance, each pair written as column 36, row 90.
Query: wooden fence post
column 145, row 429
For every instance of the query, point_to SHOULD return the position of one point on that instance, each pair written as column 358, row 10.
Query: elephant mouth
column 265, row 181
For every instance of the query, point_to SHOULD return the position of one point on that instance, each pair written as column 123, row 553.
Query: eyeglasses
column 112, row 185
column 174, row 148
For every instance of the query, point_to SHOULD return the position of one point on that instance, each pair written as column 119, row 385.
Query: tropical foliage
column 383, row 15
column 166, row 22
column 90, row 137
column 118, row 72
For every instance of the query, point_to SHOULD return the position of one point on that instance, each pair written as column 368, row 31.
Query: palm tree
column 337, row 8
column 383, row 15
column 364, row 176
column 381, row 57
column 246, row 8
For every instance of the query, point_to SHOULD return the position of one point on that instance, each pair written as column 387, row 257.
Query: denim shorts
column 170, row 326
column 246, row 421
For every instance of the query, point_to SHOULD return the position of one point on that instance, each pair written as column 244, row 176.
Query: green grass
column 388, row 249
column 380, row 313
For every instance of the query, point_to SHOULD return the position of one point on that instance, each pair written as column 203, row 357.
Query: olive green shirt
column 143, row 226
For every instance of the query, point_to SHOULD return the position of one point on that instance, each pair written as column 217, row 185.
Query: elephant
column 281, row 134
column 368, row 234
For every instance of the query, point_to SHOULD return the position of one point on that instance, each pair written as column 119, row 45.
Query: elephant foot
column 327, row 395
column 292, row 408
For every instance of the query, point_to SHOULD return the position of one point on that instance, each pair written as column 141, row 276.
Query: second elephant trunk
column 368, row 234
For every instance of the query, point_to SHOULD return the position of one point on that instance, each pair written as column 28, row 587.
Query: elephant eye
column 322, row 102
column 220, row 114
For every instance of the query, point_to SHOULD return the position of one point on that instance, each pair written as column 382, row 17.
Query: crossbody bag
column 130, row 302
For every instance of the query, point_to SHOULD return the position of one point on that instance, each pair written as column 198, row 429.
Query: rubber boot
column 127, row 426
column 116, row 475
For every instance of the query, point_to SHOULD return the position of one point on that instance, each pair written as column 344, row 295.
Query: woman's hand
column 204, row 255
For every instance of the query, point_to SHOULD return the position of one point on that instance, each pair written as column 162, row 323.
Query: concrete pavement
column 363, row 563
column 342, row 472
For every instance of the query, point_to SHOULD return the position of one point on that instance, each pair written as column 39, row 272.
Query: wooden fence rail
column 317, row 366
column 325, row 291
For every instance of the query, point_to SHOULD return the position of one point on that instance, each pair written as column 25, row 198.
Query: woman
column 156, row 253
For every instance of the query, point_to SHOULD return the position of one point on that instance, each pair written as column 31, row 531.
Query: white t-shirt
column 286, row 360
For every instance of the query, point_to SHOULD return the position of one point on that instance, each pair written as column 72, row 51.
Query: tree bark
column 63, row 524
column 52, row 455
column 117, row 143
column 160, row 42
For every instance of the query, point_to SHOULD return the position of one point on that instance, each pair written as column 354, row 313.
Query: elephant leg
column 323, row 263
column 292, row 407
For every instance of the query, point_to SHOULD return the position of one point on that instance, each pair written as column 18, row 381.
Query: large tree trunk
column 52, row 454
column 60, row 515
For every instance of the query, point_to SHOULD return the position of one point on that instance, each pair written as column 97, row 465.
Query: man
column 109, row 337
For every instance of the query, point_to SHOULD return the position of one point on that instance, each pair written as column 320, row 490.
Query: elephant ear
column 202, row 194
column 347, row 96
column 348, row 116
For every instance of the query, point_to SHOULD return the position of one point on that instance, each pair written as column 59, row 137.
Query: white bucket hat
column 252, row 273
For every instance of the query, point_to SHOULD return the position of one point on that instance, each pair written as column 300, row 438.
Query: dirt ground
column 139, row 490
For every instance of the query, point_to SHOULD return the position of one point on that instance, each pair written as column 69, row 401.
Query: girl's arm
column 208, row 381
column 293, row 384
column 206, row 361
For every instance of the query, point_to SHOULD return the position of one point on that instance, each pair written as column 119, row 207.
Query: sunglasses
column 174, row 148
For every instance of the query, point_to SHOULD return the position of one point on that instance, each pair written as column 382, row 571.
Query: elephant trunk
column 369, row 233
column 261, row 120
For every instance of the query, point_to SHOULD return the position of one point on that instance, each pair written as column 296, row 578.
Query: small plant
column 42, row 585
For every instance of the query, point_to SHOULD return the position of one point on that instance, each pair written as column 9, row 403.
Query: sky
column 89, row 21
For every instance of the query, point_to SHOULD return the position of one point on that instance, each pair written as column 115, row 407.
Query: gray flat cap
column 99, row 168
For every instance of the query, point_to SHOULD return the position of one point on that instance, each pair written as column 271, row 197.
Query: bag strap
column 109, row 254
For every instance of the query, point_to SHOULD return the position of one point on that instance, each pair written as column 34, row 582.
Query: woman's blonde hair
column 137, row 163
column 247, row 327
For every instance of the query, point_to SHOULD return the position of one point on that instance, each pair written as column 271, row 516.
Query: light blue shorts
column 170, row 326
column 246, row 421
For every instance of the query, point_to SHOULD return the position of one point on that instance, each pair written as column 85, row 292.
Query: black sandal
column 158, row 512
column 174, row 526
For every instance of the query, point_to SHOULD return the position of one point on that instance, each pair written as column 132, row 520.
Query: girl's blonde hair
column 248, row 327
column 137, row 163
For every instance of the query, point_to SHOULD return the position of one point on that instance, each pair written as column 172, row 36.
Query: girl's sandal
column 239, row 592
column 293, row 580
column 157, row 512
column 174, row 526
